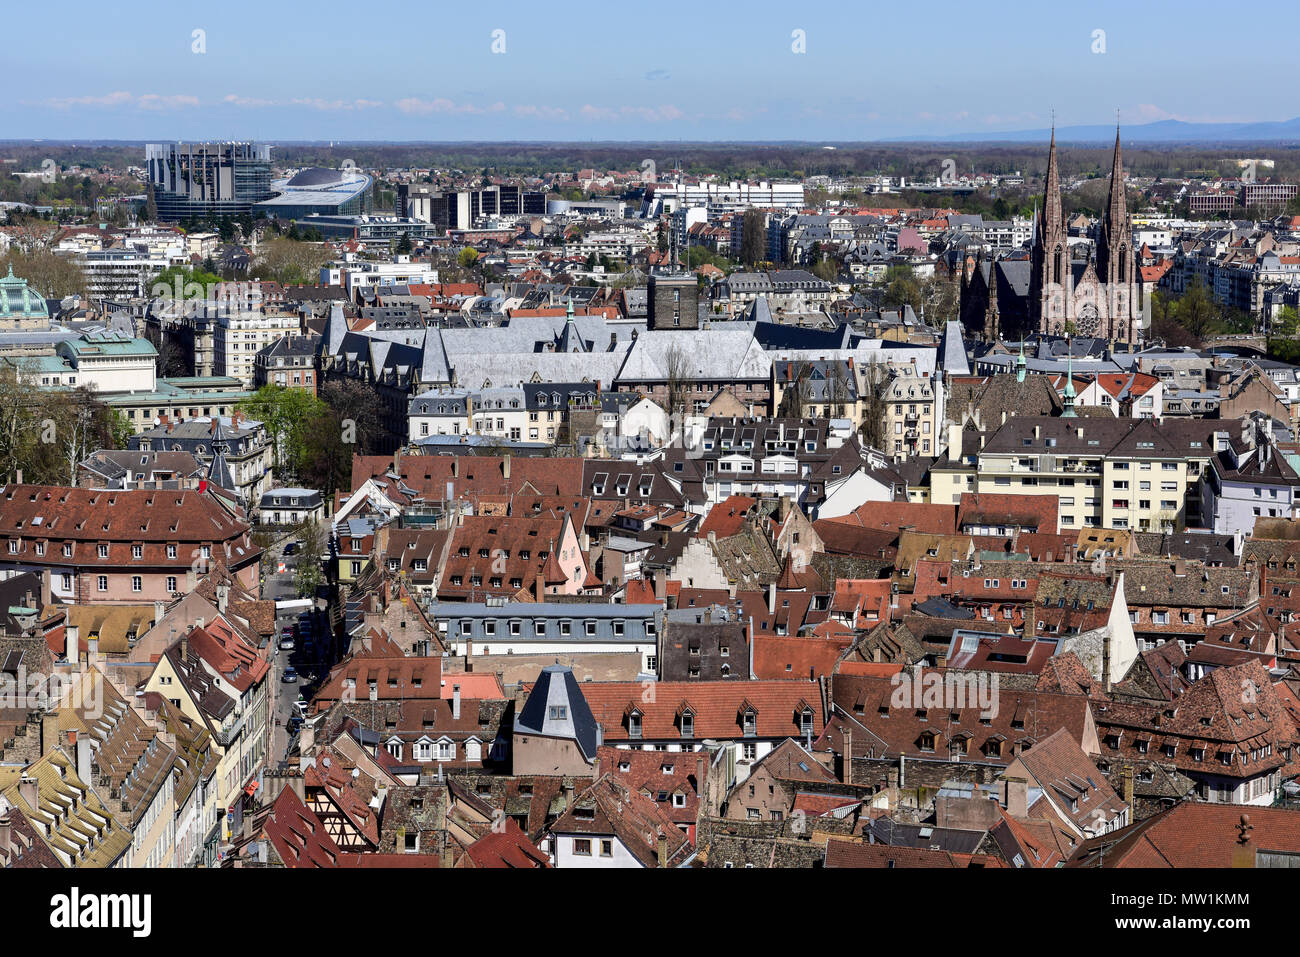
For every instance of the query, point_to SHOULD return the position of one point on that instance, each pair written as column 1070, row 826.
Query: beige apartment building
column 239, row 337
column 913, row 413
column 1106, row 473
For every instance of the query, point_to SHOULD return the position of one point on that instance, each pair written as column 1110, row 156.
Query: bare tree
column 798, row 390
column 837, row 388
column 677, row 372
column 872, row 430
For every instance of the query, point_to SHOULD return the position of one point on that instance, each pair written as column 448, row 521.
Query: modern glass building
column 207, row 180
column 319, row 192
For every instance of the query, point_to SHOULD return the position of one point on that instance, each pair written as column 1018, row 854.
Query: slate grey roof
column 557, row 688
column 952, row 350
column 710, row 353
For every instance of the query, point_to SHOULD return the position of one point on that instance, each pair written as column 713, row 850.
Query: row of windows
column 541, row 628
column 137, row 551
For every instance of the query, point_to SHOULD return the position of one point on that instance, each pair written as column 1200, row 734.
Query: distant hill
column 1161, row 131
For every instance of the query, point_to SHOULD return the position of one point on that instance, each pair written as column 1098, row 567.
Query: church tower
column 1050, row 276
column 1105, row 299
column 1115, row 266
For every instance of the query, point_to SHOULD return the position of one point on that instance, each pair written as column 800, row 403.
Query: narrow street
column 278, row 585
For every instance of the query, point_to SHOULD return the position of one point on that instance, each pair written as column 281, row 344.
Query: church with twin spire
column 1098, row 296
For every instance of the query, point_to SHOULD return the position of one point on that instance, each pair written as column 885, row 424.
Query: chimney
column 47, row 580
column 539, row 587
column 19, row 476
column 455, row 702
column 771, row 597
column 663, row 849
column 223, row 596
column 73, row 650
column 568, row 793
column 661, row 583
column 505, row 467
column 185, row 646
column 29, row 791
column 954, row 441
column 1128, row 787
column 6, row 836
column 49, row 732
column 1017, row 797
column 81, row 754
column 307, row 745
column 847, row 761
column 92, row 653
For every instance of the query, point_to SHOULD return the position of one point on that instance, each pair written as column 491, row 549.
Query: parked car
column 286, row 641
column 291, row 548
column 290, row 676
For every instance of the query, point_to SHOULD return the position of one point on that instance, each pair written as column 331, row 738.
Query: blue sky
column 619, row 71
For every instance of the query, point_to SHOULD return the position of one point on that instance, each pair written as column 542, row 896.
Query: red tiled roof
column 996, row 508
column 842, row 853
column 1195, row 834
column 727, row 517
column 507, row 847
column 777, row 658
column 717, row 706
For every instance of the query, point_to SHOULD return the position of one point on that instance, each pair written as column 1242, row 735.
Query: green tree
column 468, row 257
column 287, row 414
column 307, row 576
column 1287, row 323
column 901, row 288
column 1197, row 312
column 120, row 429
column 826, row 269
column 326, row 459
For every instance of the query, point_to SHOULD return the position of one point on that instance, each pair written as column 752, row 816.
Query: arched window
column 1123, row 264
column 1057, row 270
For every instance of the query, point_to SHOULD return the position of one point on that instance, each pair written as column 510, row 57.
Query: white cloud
column 121, row 98
column 333, row 106
column 653, row 114
column 541, row 112
column 413, row 104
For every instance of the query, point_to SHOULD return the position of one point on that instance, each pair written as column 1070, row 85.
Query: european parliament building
column 207, row 180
